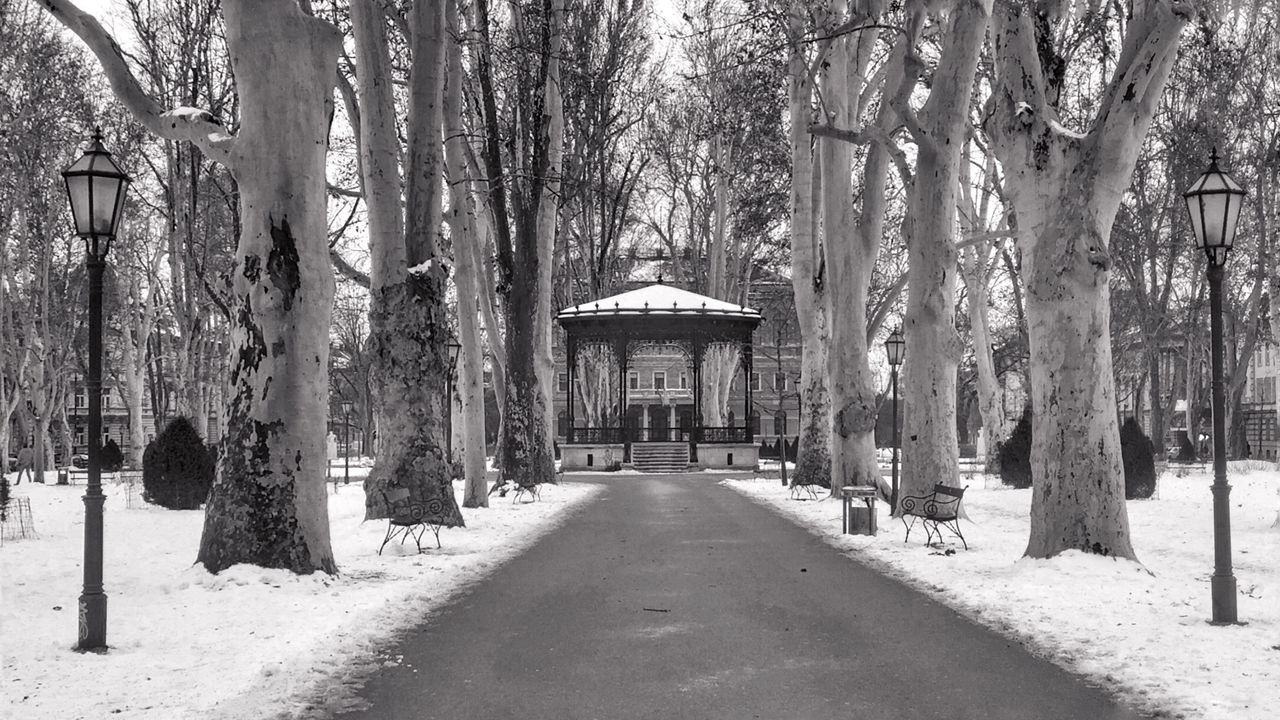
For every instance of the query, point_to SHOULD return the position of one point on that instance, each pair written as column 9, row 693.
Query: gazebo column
column 571, row 361
column 620, row 349
column 747, row 352
column 698, row 347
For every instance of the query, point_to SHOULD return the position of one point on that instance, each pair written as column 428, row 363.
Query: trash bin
column 859, row 517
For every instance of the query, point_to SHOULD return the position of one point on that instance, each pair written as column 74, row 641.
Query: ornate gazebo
column 657, row 315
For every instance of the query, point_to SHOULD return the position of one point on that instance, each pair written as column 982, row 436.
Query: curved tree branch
column 190, row 124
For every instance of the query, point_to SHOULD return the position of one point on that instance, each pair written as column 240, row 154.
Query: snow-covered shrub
column 1015, row 454
column 177, row 470
column 1139, row 461
column 112, row 458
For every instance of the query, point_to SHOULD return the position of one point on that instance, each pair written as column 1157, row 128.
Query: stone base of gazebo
column 736, row 456
column 594, row 456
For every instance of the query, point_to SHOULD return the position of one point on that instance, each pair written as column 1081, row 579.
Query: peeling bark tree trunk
column 990, row 405
column 1066, row 190
column 268, row 505
column 813, row 457
column 463, row 233
column 409, row 328
column 851, row 245
column 548, row 214
column 929, row 446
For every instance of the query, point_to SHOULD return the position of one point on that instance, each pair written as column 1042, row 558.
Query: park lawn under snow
column 246, row 643
column 1143, row 634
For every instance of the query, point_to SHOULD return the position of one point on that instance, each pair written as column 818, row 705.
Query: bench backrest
column 946, row 501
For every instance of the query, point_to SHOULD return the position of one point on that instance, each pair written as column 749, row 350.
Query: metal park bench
column 72, row 476
column 810, row 489
column 533, row 492
column 939, row 509
column 410, row 519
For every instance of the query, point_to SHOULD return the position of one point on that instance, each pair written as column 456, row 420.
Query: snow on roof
column 659, row 299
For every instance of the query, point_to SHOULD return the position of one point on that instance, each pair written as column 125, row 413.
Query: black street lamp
column 1214, row 202
column 454, row 348
column 96, row 187
column 346, row 442
column 895, row 347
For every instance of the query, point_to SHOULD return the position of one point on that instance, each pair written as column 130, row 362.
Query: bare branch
column 190, row 124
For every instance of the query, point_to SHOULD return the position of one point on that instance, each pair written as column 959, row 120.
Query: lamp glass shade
column 1213, row 204
column 346, row 406
column 895, row 347
column 96, row 187
column 454, row 349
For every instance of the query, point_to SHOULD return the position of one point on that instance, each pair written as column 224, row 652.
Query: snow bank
column 246, row 643
column 1139, row 629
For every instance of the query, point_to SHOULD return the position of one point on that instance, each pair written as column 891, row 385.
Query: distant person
column 26, row 464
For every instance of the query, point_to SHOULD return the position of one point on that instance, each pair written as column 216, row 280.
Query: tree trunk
column 463, row 234
column 1156, row 392
column 268, row 505
column 990, row 400
column 1066, row 190
column 851, row 244
column 548, row 214
column 813, row 457
column 930, row 452
column 409, row 328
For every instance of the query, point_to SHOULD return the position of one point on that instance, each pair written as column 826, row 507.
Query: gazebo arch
column 659, row 314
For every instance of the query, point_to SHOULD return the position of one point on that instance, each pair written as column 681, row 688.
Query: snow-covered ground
column 1139, row 629
column 246, row 643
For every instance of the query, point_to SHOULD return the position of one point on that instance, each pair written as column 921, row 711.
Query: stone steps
column 660, row 457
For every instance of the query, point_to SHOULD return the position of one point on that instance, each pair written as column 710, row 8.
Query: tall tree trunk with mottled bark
column 467, row 277
column 813, row 457
column 409, row 331
column 548, row 214
column 851, row 244
column 1066, row 188
column 268, row 505
column 930, row 451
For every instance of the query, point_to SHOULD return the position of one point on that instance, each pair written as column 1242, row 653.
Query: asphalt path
column 671, row 597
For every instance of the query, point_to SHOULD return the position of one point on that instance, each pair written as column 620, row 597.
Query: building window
column 755, row 423
column 562, row 424
column 564, row 382
column 780, row 381
column 755, row 382
column 659, row 380
column 633, row 380
column 80, row 400
column 780, row 424
column 684, row 381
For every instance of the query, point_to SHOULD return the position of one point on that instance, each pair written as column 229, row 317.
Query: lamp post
column 895, row 347
column 346, row 442
column 1213, row 203
column 96, row 187
column 454, row 349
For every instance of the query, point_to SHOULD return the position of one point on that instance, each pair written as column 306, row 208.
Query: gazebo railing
column 600, row 435
column 613, row 435
column 723, row 435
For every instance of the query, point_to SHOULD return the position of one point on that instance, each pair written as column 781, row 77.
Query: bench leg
column 387, row 538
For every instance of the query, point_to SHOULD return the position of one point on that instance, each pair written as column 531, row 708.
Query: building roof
column 659, row 299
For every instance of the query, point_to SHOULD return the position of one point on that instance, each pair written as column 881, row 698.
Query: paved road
column 670, row 597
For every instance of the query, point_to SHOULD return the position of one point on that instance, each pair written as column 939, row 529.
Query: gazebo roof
column 661, row 300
